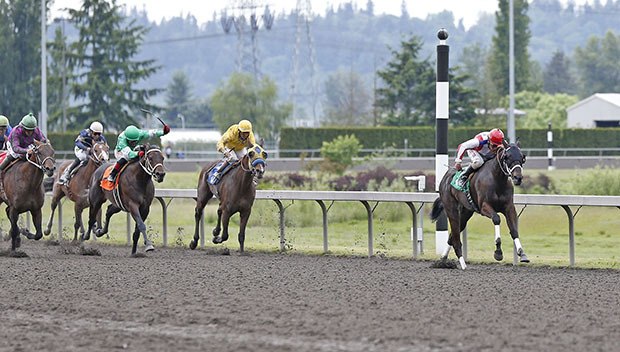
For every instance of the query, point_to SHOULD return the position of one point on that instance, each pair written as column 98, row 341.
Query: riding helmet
column 96, row 127
column 132, row 133
column 496, row 136
column 245, row 126
column 4, row 121
column 29, row 122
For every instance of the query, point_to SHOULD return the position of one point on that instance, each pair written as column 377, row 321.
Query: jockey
column 483, row 143
column 126, row 143
column 233, row 145
column 84, row 141
column 5, row 131
column 20, row 142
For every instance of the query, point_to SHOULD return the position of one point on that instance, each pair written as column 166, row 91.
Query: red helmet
column 496, row 136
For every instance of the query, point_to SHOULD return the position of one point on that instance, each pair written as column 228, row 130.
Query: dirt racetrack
column 180, row 300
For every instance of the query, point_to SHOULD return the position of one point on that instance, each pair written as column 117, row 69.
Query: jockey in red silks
column 483, row 143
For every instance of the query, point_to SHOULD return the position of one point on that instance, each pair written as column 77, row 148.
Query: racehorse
column 236, row 192
column 77, row 187
column 134, row 193
column 491, row 189
column 24, row 190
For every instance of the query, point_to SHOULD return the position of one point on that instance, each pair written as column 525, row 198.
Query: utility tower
column 304, row 65
column 242, row 15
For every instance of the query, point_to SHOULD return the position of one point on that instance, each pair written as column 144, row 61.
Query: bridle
column 146, row 162
column 97, row 158
column 39, row 163
column 503, row 165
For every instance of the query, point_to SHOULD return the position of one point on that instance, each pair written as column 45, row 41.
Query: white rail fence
column 414, row 200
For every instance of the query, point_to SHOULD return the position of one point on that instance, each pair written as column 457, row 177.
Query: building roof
column 612, row 98
column 500, row 112
column 178, row 135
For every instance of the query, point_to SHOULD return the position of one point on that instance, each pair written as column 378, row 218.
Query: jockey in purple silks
column 20, row 142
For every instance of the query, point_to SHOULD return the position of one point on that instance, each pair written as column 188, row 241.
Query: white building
column 598, row 110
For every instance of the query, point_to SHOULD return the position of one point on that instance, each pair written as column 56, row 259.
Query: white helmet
column 96, row 127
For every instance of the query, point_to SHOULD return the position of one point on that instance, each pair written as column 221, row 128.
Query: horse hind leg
column 201, row 202
column 218, row 227
column 55, row 200
column 454, row 241
column 148, row 244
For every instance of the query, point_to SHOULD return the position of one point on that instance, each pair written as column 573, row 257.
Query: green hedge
column 424, row 137
column 66, row 140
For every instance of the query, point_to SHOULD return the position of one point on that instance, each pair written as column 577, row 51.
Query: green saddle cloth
column 454, row 182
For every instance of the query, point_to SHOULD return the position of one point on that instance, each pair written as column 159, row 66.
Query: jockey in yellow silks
column 233, row 145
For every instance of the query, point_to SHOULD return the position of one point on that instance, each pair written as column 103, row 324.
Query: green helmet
column 4, row 121
column 29, row 122
column 132, row 133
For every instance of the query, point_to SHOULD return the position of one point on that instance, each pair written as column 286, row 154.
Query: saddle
column 107, row 185
column 211, row 179
column 464, row 189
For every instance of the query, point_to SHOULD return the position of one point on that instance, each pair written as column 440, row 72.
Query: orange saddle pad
column 105, row 184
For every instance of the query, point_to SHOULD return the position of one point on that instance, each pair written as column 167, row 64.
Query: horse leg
column 489, row 212
column 140, row 227
column 55, row 200
column 244, row 217
column 78, row 225
column 201, row 202
column 454, row 240
column 218, row 226
column 94, row 214
column 148, row 245
column 37, row 219
column 513, row 225
column 226, row 214
column 112, row 209
column 15, row 239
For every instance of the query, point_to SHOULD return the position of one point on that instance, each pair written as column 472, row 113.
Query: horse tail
column 437, row 209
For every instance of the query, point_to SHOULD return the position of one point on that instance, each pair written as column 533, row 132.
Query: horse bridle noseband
column 146, row 163
column 504, row 166
column 39, row 163
column 97, row 159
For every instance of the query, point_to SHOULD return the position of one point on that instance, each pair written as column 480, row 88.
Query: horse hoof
column 38, row 236
column 47, row 232
column 217, row 240
column 498, row 255
column 462, row 262
column 149, row 248
column 99, row 233
column 524, row 258
column 192, row 245
column 85, row 237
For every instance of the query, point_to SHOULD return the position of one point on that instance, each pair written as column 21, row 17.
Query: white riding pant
column 80, row 153
column 234, row 155
column 475, row 158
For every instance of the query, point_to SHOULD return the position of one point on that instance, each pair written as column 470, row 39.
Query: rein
column 97, row 158
column 39, row 163
column 146, row 163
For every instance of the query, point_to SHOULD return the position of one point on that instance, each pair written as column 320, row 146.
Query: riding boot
column 117, row 167
column 464, row 176
column 217, row 175
column 64, row 179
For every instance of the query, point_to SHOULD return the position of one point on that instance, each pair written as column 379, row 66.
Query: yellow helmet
column 245, row 126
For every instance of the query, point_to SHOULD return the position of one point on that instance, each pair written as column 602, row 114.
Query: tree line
column 108, row 78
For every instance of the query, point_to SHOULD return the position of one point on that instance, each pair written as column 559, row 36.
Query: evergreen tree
column 178, row 95
column 407, row 97
column 557, row 78
column 7, row 60
column 500, row 49
column 57, row 71
column 106, row 77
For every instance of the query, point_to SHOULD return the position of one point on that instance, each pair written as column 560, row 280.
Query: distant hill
column 350, row 39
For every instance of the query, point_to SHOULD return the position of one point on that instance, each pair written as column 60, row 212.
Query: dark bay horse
column 236, row 191
column 491, row 188
column 77, row 187
column 134, row 194
column 24, row 190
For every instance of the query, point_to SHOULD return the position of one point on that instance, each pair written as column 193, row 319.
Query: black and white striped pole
column 550, row 147
column 442, row 95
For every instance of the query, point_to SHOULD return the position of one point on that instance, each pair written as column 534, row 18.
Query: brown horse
column 133, row 194
column 77, row 187
column 24, row 190
column 491, row 189
column 236, row 191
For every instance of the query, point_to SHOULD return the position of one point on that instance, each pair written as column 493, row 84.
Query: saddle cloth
column 107, row 185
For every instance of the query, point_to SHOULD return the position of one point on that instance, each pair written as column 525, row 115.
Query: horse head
column 42, row 156
column 256, row 160
column 100, row 152
column 511, row 161
column 153, row 162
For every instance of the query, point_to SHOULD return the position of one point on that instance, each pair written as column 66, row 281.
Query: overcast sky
column 203, row 9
